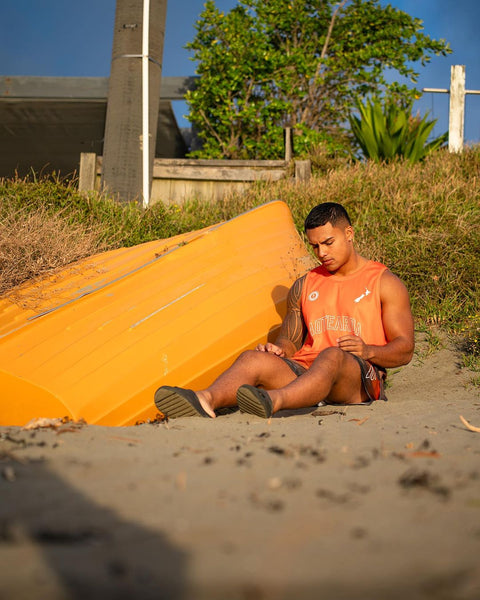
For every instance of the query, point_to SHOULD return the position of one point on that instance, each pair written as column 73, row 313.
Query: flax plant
column 386, row 131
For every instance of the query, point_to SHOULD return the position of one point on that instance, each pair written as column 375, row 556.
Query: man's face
column 333, row 246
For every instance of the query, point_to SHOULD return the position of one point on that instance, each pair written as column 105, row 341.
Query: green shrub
column 387, row 132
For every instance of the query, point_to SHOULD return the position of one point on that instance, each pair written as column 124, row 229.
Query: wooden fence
column 175, row 180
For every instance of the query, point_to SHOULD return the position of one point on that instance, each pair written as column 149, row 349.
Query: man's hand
column 354, row 345
column 271, row 348
column 397, row 324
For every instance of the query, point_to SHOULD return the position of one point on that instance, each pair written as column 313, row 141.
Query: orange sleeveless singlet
column 335, row 306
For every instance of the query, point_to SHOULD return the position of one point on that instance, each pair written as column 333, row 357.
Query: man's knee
column 337, row 363
column 249, row 356
column 331, row 355
column 258, row 360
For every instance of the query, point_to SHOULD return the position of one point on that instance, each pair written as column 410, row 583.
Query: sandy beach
column 362, row 502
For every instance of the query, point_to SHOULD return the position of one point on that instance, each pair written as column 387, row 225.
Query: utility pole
column 457, row 93
column 133, row 99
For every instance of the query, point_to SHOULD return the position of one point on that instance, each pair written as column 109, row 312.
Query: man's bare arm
column 397, row 323
column 293, row 330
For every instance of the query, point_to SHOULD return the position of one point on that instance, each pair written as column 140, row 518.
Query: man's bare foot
column 205, row 403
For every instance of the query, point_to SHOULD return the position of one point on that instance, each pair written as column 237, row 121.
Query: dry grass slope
column 422, row 220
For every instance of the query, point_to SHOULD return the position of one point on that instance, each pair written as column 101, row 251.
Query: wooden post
column 288, row 144
column 87, row 172
column 457, row 93
column 457, row 108
column 303, row 170
column 122, row 150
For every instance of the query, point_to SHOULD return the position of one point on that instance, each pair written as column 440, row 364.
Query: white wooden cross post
column 457, row 93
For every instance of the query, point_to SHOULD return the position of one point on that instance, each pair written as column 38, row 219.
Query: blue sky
column 74, row 38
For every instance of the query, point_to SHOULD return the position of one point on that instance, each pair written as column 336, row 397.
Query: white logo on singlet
column 313, row 296
column 334, row 323
column 364, row 295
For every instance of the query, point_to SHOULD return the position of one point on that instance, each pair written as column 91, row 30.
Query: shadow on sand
column 56, row 543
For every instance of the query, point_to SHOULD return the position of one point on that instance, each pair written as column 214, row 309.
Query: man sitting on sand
column 347, row 321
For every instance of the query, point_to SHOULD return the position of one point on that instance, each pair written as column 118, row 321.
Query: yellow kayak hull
column 96, row 340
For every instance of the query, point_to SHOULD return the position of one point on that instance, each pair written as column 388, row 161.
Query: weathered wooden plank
column 194, row 162
column 218, row 173
column 177, row 191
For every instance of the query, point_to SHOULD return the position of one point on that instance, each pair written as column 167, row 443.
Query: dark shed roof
column 46, row 122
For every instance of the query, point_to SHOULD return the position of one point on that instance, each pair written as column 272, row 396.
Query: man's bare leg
column 334, row 376
column 260, row 369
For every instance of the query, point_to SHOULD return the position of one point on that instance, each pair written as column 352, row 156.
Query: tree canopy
column 269, row 64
